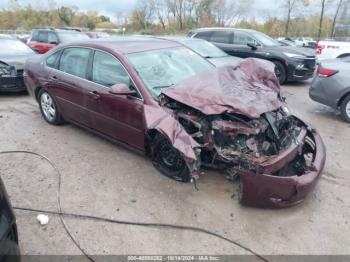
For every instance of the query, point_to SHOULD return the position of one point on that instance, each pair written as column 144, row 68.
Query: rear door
column 68, row 82
column 240, row 44
column 117, row 116
column 223, row 39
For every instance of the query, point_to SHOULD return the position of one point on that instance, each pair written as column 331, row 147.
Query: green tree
column 66, row 14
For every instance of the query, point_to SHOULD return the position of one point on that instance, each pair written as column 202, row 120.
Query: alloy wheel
column 48, row 107
column 347, row 109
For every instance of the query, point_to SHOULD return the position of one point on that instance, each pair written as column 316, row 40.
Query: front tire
column 48, row 108
column 168, row 160
column 345, row 109
column 280, row 72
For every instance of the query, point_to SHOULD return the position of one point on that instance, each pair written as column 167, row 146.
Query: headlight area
column 274, row 156
column 289, row 178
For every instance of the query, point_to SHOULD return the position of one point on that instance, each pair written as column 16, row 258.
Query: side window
column 75, row 61
column 224, row 37
column 35, row 35
column 51, row 60
column 242, row 38
column 108, row 71
column 42, row 37
column 52, row 38
column 203, row 35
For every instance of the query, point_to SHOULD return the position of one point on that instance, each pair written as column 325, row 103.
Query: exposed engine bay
column 234, row 142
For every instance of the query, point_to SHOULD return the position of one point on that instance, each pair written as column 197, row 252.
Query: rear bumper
column 268, row 191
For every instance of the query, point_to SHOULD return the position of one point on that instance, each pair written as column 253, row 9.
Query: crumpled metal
column 249, row 89
column 161, row 120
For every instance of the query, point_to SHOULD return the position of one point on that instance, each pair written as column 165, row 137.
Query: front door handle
column 94, row 94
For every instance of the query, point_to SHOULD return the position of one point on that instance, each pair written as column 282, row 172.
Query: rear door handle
column 94, row 94
column 54, row 78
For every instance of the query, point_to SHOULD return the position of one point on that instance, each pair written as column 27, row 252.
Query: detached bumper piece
column 11, row 80
column 267, row 190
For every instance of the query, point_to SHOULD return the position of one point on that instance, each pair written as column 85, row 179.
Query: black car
column 9, row 250
column 13, row 54
column 205, row 49
column 291, row 63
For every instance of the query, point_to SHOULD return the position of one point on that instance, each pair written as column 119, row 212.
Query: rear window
column 51, row 61
column 203, row 35
column 74, row 61
column 35, row 35
column 43, row 37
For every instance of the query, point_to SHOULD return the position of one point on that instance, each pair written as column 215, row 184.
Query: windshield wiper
column 161, row 87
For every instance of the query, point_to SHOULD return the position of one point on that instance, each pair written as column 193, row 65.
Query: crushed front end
column 276, row 157
column 234, row 119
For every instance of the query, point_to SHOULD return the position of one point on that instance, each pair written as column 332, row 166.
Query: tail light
column 319, row 48
column 324, row 72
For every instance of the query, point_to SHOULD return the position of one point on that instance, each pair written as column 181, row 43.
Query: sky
column 262, row 8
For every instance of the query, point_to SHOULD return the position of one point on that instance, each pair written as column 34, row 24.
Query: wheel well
column 150, row 135
column 280, row 61
column 37, row 90
column 343, row 55
column 342, row 99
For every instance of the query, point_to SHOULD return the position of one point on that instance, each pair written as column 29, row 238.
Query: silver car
column 206, row 50
column 331, row 85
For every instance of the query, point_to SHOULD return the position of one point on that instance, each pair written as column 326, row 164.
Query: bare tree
column 143, row 14
column 290, row 6
column 335, row 17
column 162, row 11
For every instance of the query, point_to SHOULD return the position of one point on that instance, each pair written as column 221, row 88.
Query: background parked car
column 291, row 63
column 286, row 41
column 13, row 54
column 305, row 42
column 206, row 50
column 329, row 49
column 43, row 40
column 9, row 249
column 331, row 85
column 97, row 34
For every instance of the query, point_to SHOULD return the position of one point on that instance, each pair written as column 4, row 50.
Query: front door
column 117, row 116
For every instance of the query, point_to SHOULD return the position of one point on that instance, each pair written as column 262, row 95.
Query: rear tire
column 280, row 72
column 345, row 109
column 48, row 108
column 168, row 160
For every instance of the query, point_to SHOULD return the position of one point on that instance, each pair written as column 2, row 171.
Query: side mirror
column 121, row 89
column 252, row 45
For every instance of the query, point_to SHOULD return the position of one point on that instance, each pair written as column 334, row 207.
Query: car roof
column 128, row 44
column 222, row 29
column 179, row 39
column 57, row 30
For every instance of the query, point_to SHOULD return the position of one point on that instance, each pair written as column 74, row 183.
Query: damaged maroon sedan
column 165, row 100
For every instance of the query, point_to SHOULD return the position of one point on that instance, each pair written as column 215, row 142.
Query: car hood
column 250, row 88
column 16, row 60
column 293, row 50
